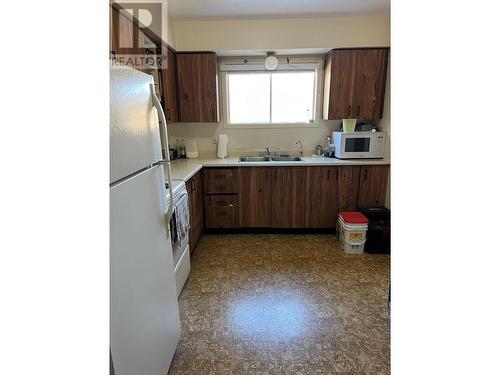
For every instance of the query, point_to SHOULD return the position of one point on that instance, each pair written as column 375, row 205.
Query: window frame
column 257, row 67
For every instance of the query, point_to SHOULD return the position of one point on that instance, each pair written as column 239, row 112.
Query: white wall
column 327, row 32
column 269, row 34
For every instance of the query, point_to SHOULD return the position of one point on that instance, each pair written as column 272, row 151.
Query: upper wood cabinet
column 355, row 83
column 169, row 83
column 127, row 41
column 288, row 197
column 197, row 85
column 373, row 185
column 321, row 197
column 254, row 195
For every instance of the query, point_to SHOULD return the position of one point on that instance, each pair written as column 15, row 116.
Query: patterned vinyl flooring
column 283, row 304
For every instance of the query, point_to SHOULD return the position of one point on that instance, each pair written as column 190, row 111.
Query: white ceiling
column 252, row 9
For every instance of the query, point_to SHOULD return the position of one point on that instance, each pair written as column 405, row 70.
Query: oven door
column 179, row 227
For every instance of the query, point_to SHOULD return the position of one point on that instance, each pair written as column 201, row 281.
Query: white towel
column 222, row 146
column 182, row 218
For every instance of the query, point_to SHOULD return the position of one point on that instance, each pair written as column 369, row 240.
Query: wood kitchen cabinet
column 254, row 195
column 127, row 41
column 197, row 85
column 194, row 188
column 355, row 83
column 288, row 197
column 348, row 187
column 373, row 185
column 169, row 83
column 322, row 203
column 221, row 211
column 221, row 198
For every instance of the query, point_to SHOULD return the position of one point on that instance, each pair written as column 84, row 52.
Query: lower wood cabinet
column 322, row 202
column 254, row 194
column 348, row 187
column 194, row 188
column 221, row 211
column 221, row 198
column 221, row 180
column 373, row 185
column 288, row 197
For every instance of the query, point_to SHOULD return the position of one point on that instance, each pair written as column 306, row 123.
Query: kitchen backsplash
column 252, row 140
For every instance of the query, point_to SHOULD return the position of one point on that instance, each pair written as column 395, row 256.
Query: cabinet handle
column 220, row 213
column 337, row 173
column 328, row 175
column 168, row 114
column 349, row 111
column 193, row 182
column 365, row 174
column 357, row 111
column 220, row 188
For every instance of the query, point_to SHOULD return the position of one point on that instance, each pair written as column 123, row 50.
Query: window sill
column 272, row 126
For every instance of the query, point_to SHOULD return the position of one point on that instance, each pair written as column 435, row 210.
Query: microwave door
column 357, row 145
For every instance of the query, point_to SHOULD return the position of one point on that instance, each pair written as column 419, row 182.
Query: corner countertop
column 184, row 169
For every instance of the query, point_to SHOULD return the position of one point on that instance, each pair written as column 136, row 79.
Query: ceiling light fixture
column 271, row 62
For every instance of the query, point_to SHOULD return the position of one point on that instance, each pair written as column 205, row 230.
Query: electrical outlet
column 214, row 141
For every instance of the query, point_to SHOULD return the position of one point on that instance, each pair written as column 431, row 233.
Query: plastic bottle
column 183, row 150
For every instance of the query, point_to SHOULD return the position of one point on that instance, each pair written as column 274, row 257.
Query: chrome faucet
column 301, row 147
column 266, row 152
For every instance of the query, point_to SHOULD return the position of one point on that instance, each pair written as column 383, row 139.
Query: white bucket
column 350, row 248
column 352, row 233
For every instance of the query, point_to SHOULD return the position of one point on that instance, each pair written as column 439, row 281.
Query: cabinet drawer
column 221, row 211
column 221, row 181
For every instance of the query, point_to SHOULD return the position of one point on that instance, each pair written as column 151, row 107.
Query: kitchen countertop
column 184, row 169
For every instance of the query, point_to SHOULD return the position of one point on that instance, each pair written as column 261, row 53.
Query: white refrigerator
column 144, row 312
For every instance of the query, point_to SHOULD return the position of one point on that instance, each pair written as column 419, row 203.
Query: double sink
column 268, row 158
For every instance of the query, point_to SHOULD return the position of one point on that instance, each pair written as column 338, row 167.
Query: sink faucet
column 266, row 152
column 301, row 147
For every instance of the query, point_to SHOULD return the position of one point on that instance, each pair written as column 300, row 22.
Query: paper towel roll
column 222, row 146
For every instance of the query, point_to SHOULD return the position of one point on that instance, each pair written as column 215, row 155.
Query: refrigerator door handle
column 157, row 104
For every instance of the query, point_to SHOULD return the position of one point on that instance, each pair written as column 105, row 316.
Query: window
column 254, row 96
column 271, row 97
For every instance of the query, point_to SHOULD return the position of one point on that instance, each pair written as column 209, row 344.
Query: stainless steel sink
column 286, row 158
column 254, row 158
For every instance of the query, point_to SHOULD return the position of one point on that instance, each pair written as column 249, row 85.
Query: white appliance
column 144, row 312
column 179, row 229
column 359, row 145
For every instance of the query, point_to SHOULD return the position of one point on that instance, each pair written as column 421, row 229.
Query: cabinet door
column 255, row 197
column 221, row 181
column 127, row 41
column 348, row 187
column 169, row 80
column 287, row 197
column 189, row 187
column 197, row 84
column 371, row 74
column 339, row 79
column 321, row 197
column 373, row 185
column 197, row 206
column 221, row 211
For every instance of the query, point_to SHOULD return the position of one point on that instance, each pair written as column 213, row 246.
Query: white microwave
column 359, row 145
